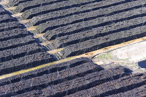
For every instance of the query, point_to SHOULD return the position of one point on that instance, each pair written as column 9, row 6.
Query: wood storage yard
column 72, row 48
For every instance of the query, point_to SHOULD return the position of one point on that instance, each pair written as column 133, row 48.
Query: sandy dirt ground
column 127, row 56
